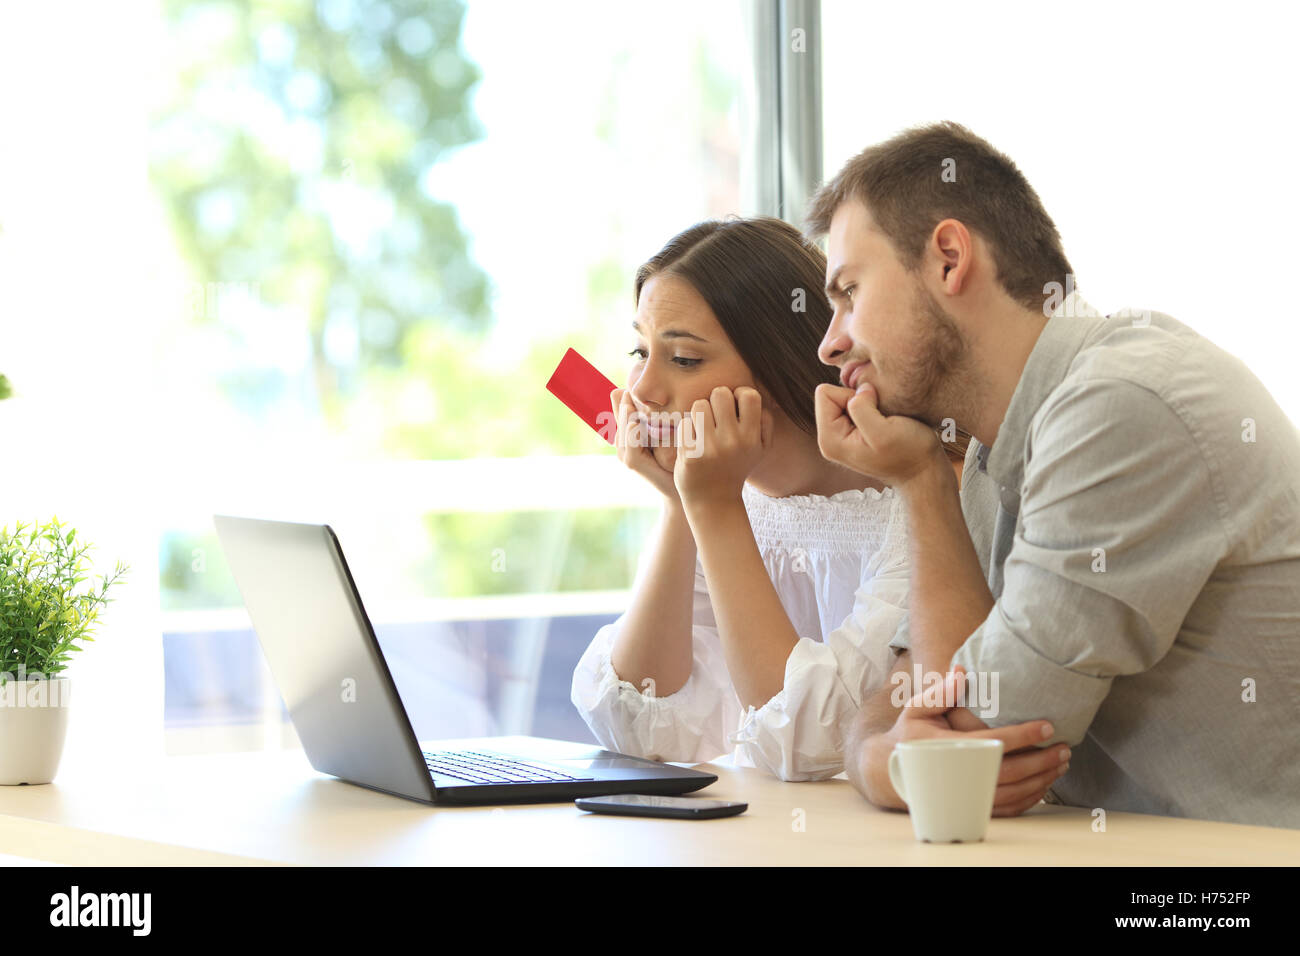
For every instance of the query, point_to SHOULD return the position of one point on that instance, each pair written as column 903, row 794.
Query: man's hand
column 722, row 439
column 1027, row 769
column 852, row 431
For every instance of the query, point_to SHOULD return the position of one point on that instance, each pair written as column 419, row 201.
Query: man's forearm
column 949, row 596
column 870, row 732
column 880, row 710
column 866, row 763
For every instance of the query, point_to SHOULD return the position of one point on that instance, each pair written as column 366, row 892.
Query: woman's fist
column 633, row 445
column 722, row 439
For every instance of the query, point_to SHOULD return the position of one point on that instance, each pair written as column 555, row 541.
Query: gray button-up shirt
column 1138, row 522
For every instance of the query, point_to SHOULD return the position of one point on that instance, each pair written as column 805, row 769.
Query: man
column 1124, row 552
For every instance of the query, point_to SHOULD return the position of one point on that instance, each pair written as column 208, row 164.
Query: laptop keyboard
column 475, row 767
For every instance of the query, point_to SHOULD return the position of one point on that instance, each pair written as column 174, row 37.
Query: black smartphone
column 647, row 805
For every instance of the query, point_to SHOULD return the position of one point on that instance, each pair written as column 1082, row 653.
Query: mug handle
column 896, row 774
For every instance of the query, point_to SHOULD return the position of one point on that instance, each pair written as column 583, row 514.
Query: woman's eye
column 680, row 360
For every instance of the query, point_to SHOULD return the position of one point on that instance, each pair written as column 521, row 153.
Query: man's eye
column 637, row 353
column 848, row 292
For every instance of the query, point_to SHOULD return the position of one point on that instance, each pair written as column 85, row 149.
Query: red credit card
column 582, row 387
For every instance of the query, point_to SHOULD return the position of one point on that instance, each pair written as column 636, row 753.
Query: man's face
column 887, row 328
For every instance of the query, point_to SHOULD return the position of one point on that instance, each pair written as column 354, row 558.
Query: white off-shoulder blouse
column 840, row 567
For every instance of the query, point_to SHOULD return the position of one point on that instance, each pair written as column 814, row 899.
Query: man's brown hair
column 913, row 181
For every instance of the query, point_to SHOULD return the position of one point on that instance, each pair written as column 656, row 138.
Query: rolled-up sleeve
column 688, row 726
column 799, row 733
column 1117, row 534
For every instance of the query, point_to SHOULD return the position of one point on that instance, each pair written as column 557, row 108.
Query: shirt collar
column 1049, row 360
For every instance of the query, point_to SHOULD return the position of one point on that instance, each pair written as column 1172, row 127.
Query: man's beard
column 927, row 388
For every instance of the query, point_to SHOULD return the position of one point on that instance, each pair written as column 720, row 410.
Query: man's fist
column 852, row 431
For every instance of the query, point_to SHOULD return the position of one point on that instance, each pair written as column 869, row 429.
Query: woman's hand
column 721, row 441
column 639, row 455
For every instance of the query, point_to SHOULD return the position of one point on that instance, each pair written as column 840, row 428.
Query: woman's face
column 681, row 354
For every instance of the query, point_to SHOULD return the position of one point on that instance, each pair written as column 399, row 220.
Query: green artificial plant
column 48, row 603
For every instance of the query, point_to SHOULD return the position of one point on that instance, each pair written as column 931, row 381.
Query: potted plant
column 47, row 607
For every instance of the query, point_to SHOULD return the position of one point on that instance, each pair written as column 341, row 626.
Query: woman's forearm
column 654, row 649
column 756, row 633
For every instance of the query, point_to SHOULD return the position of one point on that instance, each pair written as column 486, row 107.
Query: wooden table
column 272, row 807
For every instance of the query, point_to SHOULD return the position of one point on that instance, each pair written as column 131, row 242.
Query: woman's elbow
column 795, row 768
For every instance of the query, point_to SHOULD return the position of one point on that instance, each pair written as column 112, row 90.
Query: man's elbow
column 860, row 758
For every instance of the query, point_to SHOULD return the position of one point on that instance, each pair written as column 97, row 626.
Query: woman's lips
column 659, row 431
column 656, row 429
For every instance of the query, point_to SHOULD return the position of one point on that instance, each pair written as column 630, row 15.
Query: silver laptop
column 331, row 672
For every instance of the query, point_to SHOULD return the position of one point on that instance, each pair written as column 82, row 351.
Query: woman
column 763, row 609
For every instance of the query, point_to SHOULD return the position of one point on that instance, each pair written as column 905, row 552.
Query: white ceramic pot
column 33, row 726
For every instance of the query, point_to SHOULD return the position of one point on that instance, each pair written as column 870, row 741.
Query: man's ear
column 951, row 242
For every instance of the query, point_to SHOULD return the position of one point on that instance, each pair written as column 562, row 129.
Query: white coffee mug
column 948, row 785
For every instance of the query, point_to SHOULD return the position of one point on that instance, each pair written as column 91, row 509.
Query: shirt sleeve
column 799, row 733
column 688, row 726
column 1118, row 532
column 902, row 639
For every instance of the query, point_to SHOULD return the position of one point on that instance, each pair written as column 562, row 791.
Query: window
column 315, row 261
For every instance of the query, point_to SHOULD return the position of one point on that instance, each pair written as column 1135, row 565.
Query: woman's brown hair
column 763, row 281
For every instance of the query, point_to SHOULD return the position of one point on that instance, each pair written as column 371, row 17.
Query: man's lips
column 852, row 373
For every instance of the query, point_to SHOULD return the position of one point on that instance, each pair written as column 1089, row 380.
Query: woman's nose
column 647, row 389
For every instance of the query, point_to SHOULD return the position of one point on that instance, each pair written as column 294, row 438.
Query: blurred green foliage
column 292, row 156
column 193, row 573
column 530, row 552
column 471, row 554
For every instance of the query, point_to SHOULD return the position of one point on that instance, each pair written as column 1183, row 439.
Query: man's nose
column 835, row 343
